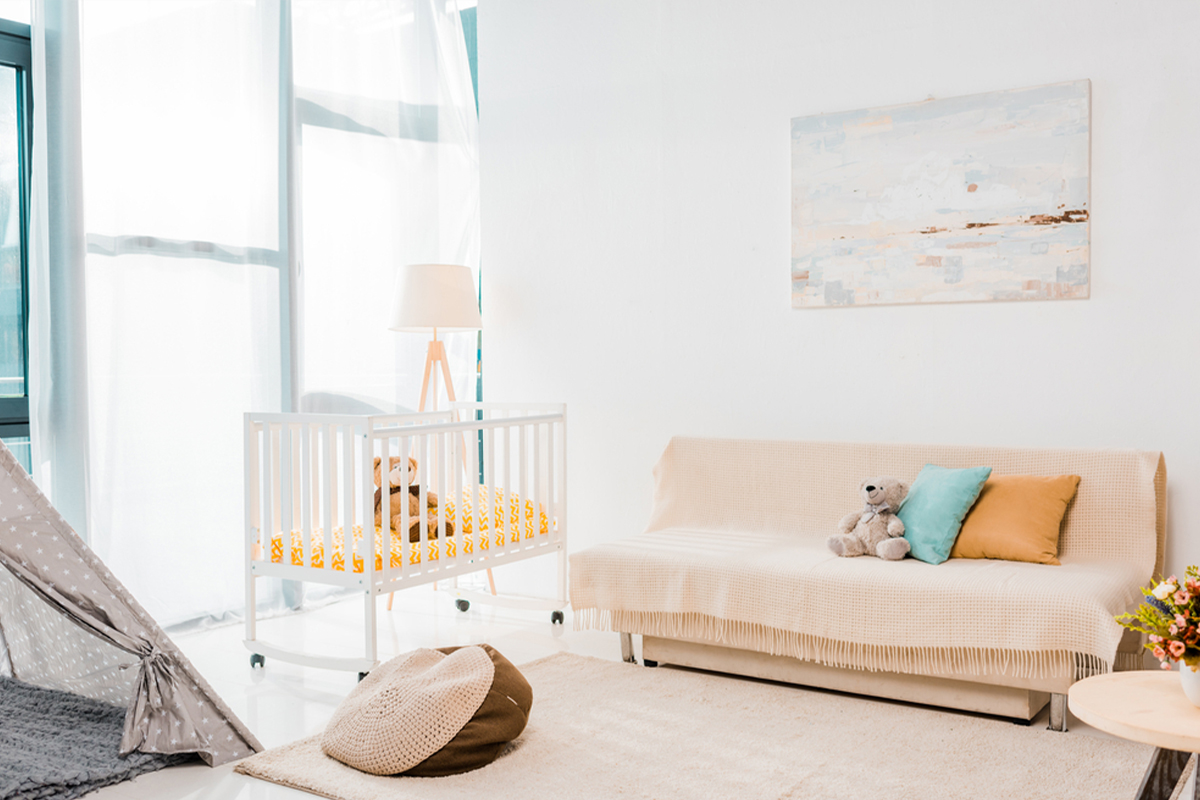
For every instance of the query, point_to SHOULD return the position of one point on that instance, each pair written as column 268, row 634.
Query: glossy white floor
column 284, row 702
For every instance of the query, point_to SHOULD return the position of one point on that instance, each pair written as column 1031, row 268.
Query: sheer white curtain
column 181, row 187
column 389, row 166
column 186, row 187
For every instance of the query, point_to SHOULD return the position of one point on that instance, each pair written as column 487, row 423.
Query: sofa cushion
column 1017, row 518
column 934, row 509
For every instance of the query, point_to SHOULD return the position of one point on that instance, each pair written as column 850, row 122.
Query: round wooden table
column 1146, row 706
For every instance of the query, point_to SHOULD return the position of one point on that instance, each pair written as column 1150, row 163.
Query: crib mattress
column 474, row 531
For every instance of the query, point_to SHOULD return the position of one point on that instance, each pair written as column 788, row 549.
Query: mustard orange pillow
column 1017, row 518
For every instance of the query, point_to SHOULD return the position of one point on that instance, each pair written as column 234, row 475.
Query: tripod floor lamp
column 431, row 298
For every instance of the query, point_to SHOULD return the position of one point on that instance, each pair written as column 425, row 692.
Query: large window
column 15, row 143
column 245, row 219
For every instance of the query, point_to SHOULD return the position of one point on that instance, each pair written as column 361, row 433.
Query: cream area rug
column 604, row 729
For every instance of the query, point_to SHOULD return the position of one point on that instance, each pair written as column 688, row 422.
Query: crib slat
column 297, row 476
column 454, row 486
column 349, row 549
column 366, row 485
column 385, row 499
column 559, row 520
column 561, row 503
column 523, row 477
column 254, row 528
column 551, row 500
column 382, row 449
column 489, row 452
column 276, row 517
column 441, row 517
column 536, row 493
column 268, row 520
column 314, row 480
column 286, row 521
column 501, row 522
column 405, row 522
column 305, row 493
column 328, row 494
column 470, row 482
column 423, row 449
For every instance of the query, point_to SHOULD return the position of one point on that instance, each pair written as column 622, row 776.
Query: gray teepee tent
column 67, row 624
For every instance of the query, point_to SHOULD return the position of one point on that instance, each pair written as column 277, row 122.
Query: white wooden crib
column 499, row 470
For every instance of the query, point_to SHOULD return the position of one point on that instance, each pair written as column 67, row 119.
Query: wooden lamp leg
column 436, row 353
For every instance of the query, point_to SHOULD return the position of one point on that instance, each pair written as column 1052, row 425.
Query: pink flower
column 1180, row 621
column 1174, row 630
column 1159, row 653
column 1182, row 597
column 1165, row 665
column 1177, row 648
column 1155, row 639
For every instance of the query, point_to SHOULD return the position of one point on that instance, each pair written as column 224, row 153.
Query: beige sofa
column 732, row 574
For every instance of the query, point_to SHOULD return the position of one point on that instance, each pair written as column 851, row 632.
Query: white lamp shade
column 438, row 296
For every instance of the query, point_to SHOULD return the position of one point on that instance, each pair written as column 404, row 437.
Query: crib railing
column 498, row 473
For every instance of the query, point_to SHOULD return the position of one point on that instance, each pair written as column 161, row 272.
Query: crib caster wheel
column 257, row 660
column 462, row 605
column 362, row 675
column 556, row 618
column 648, row 663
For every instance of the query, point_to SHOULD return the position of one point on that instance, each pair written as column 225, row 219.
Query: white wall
column 636, row 201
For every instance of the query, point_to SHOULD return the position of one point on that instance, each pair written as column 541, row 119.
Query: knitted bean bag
column 430, row 713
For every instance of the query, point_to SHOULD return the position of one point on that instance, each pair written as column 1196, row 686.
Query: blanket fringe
column 1036, row 664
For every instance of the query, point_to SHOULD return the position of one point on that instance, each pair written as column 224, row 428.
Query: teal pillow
column 933, row 511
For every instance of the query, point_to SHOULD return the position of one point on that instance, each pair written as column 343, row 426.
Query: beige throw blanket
column 734, row 554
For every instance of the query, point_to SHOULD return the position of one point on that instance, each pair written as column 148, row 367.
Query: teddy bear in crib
column 876, row 530
column 411, row 494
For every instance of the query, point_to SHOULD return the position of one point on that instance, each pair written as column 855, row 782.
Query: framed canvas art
column 965, row 199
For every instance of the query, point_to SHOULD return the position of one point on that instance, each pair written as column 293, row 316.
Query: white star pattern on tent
column 45, row 647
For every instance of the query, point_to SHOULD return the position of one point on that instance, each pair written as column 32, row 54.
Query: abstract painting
column 964, row 199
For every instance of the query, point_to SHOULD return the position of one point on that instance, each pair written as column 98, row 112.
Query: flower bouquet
column 1169, row 618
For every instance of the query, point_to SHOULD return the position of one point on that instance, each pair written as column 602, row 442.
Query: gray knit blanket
column 57, row 746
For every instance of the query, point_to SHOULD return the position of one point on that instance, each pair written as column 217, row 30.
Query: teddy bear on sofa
column 876, row 530
column 410, row 494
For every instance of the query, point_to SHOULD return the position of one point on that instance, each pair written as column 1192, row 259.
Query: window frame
column 16, row 51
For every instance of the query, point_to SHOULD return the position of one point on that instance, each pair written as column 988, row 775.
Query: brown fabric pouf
column 501, row 718
column 431, row 713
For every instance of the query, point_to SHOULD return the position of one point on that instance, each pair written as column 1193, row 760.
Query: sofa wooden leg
column 1058, row 713
column 627, row 648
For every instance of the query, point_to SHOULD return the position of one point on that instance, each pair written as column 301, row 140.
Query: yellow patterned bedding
column 514, row 518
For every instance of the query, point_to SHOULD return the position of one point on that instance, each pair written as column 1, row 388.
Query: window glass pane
column 370, row 205
column 19, row 445
column 12, row 326
column 16, row 10
column 181, row 120
column 364, row 48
